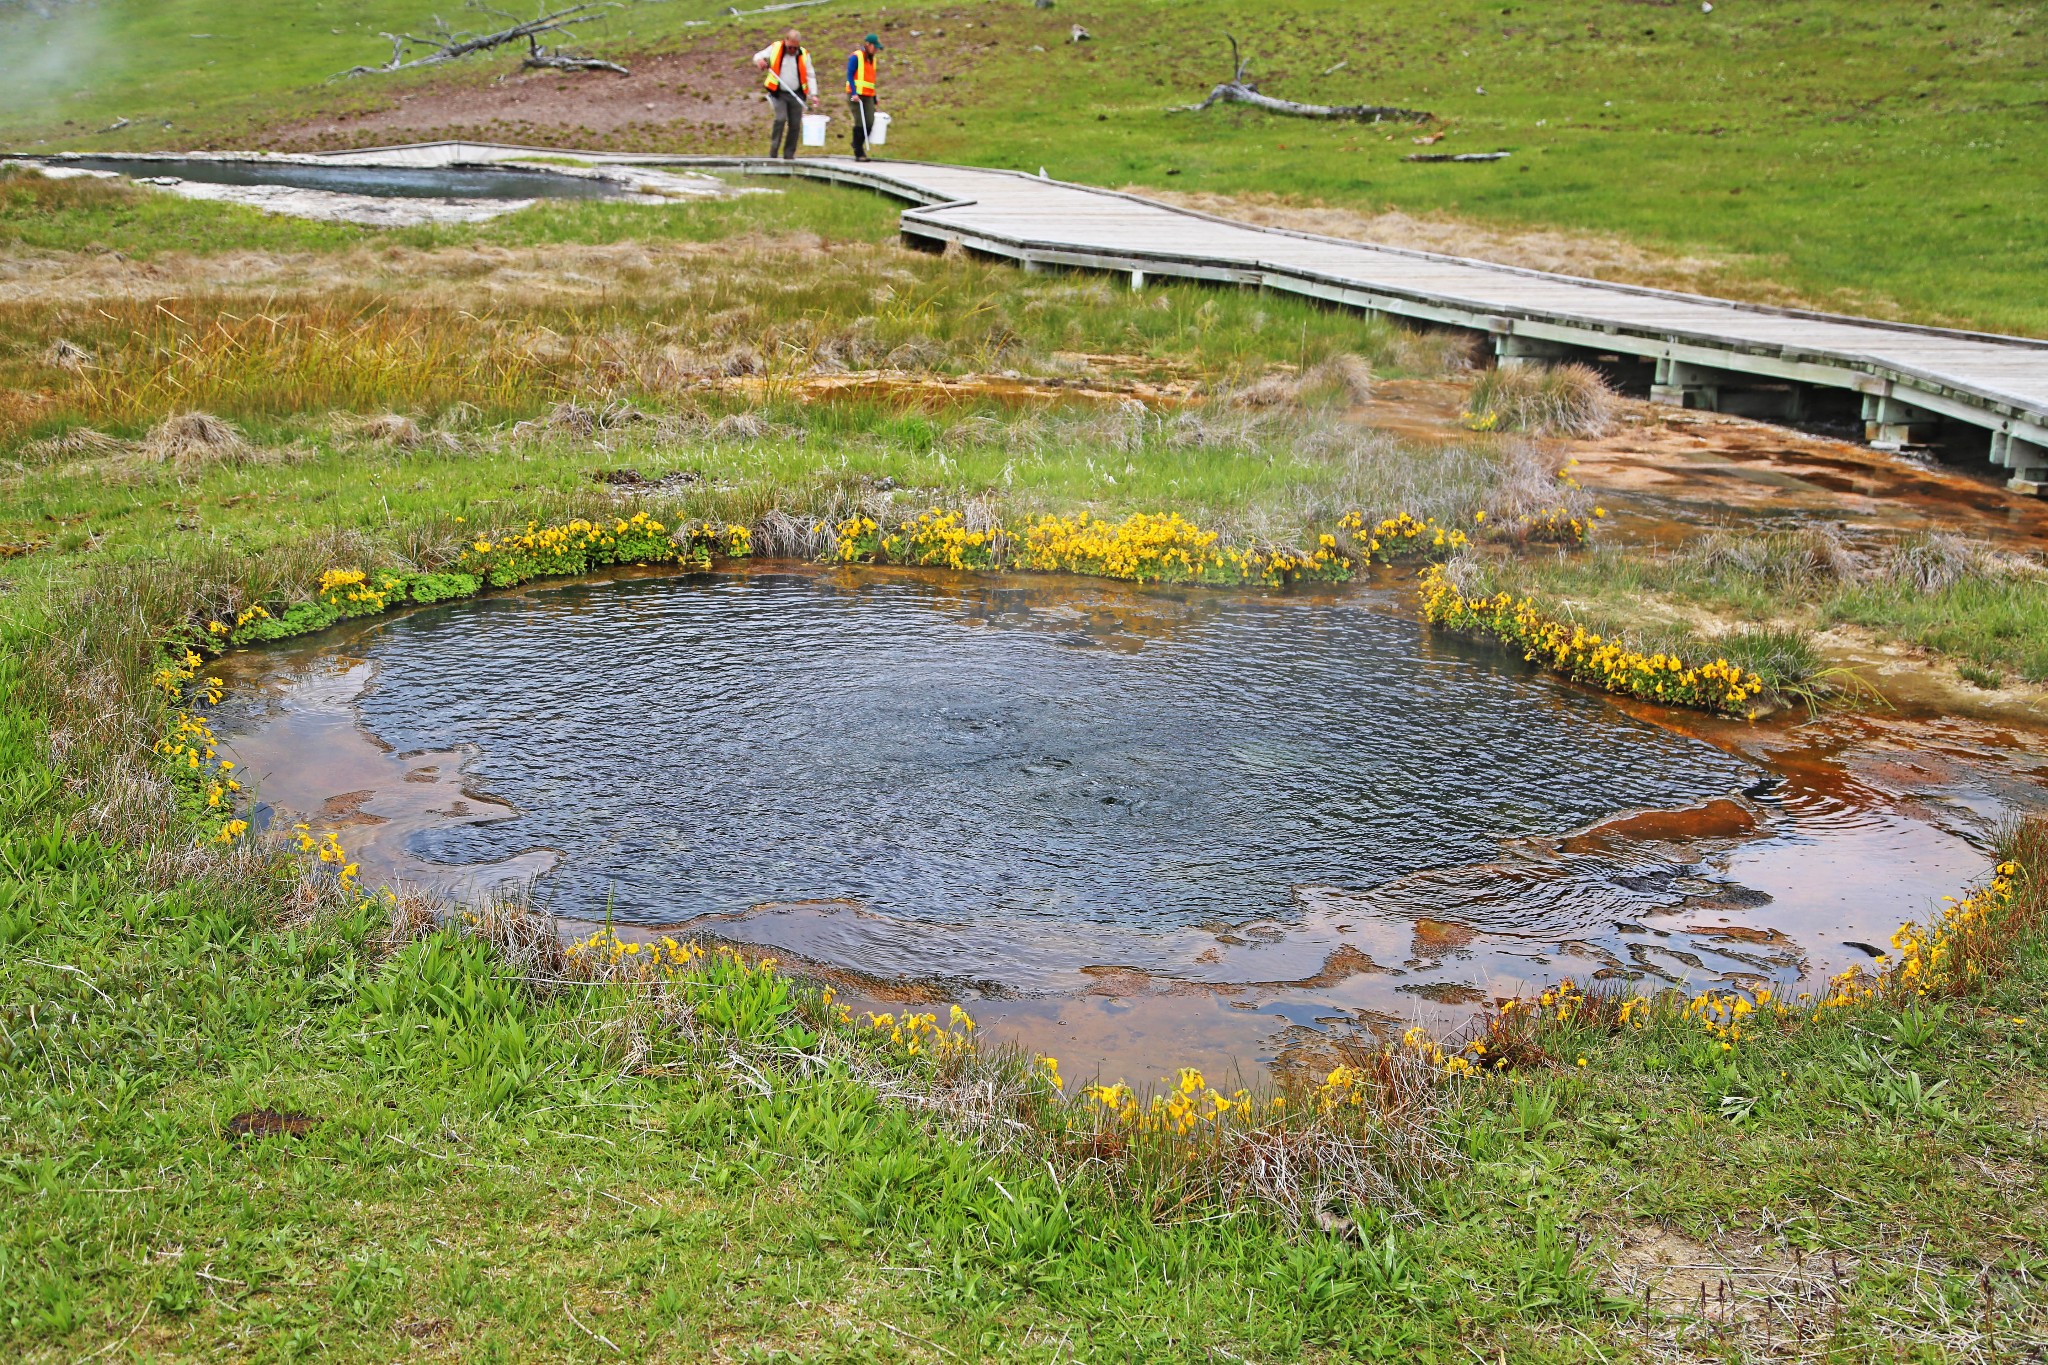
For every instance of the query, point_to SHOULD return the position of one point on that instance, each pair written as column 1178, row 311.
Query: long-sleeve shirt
column 852, row 71
column 796, row 74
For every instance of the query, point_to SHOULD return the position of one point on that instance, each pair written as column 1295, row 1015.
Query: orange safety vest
column 774, row 81
column 863, row 75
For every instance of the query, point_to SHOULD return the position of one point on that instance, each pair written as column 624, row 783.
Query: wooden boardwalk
column 1909, row 381
column 1708, row 352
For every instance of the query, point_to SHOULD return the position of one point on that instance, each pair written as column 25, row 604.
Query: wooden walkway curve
column 1708, row 352
column 1908, row 381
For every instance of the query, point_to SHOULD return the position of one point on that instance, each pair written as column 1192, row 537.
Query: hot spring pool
column 1133, row 826
column 400, row 182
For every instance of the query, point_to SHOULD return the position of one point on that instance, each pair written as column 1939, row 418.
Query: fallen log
column 1234, row 92
column 449, row 45
column 1238, row 90
column 540, row 58
column 1460, row 156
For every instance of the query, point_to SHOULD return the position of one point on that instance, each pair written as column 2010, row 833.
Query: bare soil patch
column 1740, row 1291
column 1666, row 473
column 705, row 97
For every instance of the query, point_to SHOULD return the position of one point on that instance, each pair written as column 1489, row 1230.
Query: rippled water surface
column 1129, row 822
column 711, row 745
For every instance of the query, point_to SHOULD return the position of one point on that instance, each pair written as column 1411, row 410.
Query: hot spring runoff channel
column 1188, row 819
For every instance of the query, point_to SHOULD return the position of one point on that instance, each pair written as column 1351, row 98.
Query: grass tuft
column 1548, row 400
column 189, row 438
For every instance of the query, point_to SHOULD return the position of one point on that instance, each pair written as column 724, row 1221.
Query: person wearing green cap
column 860, row 92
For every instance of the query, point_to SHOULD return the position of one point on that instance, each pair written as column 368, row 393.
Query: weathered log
column 1232, row 92
column 540, row 58
column 554, row 61
column 1238, row 90
column 1461, row 156
column 449, row 45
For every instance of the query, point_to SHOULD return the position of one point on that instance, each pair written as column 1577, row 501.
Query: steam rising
column 52, row 47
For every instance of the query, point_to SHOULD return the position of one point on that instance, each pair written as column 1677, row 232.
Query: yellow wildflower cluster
column 353, row 592
column 327, row 847
column 940, row 538
column 578, row 546
column 1167, row 548
column 921, row 1035
column 725, row 991
column 1587, row 657
column 1556, row 526
column 571, row 547
column 654, row 956
column 1402, row 538
column 1725, row 1014
column 1346, row 1087
column 1959, row 951
column 1142, row 547
column 860, row 538
column 1190, row 1105
column 191, row 752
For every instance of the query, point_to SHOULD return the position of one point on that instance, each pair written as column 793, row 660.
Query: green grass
column 506, row 1175
column 1790, row 139
column 504, row 1170
column 99, row 216
column 1998, row 625
column 1778, row 589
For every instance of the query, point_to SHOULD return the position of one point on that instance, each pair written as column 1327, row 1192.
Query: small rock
column 1080, row 35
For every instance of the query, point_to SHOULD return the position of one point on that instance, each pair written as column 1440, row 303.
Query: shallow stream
column 1133, row 827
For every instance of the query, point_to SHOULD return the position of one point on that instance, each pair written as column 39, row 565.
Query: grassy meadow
column 1874, row 157
column 250, row 1109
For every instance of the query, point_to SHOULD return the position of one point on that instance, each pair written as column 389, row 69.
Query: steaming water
column 391, row 182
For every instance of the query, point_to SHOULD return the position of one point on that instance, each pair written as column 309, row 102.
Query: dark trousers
column 789, row 121
column 863, row 108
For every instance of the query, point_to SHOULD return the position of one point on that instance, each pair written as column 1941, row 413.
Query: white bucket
column 879, row 134
column 814, row 129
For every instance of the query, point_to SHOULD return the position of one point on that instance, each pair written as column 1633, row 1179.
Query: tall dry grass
column 1550, row 400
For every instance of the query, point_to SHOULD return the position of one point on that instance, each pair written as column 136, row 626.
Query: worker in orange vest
column 860, row 93
column 792, row 85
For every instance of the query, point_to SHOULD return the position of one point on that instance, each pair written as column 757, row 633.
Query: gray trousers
column 789, row 122
column 863, row 109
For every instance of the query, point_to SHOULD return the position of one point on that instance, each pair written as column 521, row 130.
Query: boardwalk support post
column 2027, row 459
column 1686, row 386
column 1137, row 280
column 1891, row 424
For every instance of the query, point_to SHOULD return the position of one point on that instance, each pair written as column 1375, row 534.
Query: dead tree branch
column 447, row 45
column 554, row 59
column 1238, row 90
